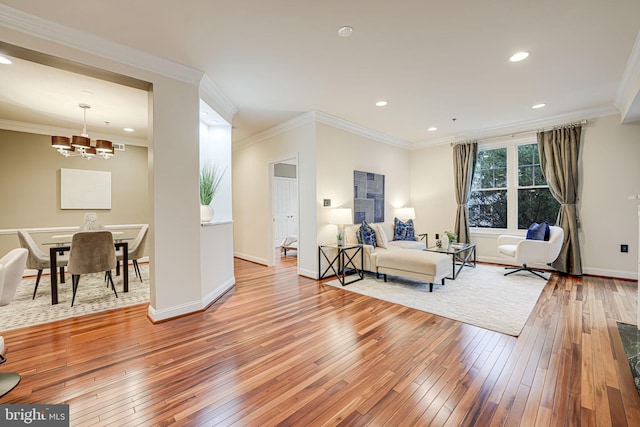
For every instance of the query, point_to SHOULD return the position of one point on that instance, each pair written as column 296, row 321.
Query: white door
column 285, row 208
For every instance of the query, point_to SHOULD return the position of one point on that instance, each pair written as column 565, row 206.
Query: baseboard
column 603, row 272
column 217, row 293
column 171, row 312
column 311, row 274
column 251, row 258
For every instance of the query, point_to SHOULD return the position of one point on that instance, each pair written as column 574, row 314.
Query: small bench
column 420, row 265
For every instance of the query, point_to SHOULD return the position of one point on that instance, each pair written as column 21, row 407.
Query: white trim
column 521, row 127
column 251, row 258
column 52, row 130
column 308, row 273
column 214, row 223
column 315, row 116
column 218, row 292
column 18, row 20
column 175, row 311
column 629, row 87
column 357, row 129
column 286, row 126
column 227, row 109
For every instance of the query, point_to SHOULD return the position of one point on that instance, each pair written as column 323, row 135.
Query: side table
column 342, row 262
column 461, row 254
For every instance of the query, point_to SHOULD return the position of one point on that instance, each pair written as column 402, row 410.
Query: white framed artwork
column 85, row 189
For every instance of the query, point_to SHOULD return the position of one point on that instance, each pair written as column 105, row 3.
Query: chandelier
column 80, row 145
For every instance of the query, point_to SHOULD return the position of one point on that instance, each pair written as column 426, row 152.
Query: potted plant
column 210, row 177
column 451, row 237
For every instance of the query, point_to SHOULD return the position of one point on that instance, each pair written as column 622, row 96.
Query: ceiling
column 432, row 61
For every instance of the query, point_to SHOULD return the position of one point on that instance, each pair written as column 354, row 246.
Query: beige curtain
column 464, row 165
column 559, row 149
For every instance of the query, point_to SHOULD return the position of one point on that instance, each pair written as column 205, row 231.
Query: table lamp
column 340, row 217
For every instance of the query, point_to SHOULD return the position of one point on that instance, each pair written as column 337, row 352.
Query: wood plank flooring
column 283, row 350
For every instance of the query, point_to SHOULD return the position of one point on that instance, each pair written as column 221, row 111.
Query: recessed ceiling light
column 128, row 129
column 519, row 56
column 381, row 103
column 432, row 129
column 5, row 61
column 539, row 105
column 345, row 31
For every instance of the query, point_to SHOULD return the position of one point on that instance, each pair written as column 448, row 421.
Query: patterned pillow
column 366, row 234
column 403, row 230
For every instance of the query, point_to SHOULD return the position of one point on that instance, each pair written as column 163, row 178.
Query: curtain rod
column 466, row 141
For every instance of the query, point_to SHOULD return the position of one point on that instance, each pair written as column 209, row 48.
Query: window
column 499, row 202
column 535, row 202
column 488, row 201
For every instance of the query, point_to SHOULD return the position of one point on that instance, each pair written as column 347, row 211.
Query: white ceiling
column 433, row 61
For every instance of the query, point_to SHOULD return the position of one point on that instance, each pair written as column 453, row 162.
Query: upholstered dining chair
column 525, row 252
column 38, row 260
column 11, row 271
column 91, row 252
column 136, row 250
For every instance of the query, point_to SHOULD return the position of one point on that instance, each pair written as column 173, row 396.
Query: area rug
column 480, row 296
column 93, row 296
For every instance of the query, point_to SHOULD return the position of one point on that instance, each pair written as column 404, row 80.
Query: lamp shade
column 81, row 141
column 406, row 213
column 104, row 146
column 61, row 142
column 341, row 216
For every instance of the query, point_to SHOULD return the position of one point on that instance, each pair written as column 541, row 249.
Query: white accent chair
column 11, row 270
column 8, row 380
column 523, row 252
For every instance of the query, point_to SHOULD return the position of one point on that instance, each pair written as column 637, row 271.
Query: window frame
column 511, row 145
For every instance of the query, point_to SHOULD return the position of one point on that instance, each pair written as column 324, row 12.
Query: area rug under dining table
column 93, row 296
column 480, row 296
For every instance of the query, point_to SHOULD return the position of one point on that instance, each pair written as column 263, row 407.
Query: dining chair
column 91, row 252
column 11, row 271
column 38, row 260
column 136, row 250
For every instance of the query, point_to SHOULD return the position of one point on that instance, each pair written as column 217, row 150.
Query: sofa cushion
column 381, row 236
column 366, row 234
column 403, row 230
column 350, row 237
column 406, row 244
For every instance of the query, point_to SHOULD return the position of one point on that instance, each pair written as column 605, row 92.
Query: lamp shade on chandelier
column 80, row 145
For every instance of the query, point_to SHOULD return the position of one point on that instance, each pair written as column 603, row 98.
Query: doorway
column 284, row 209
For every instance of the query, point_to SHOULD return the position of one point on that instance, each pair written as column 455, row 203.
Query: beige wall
column 252, row 196
column 339, row 154
column 30, row 169
column 609, row 174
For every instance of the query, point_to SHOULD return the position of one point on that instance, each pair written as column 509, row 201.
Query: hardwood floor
column 284, row 350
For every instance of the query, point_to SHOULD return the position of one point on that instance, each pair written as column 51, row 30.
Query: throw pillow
column 366, row 234
column 403, row 230
column 538, row 231
column 381, row 236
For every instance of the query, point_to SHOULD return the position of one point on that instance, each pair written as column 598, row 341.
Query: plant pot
column 206, row 213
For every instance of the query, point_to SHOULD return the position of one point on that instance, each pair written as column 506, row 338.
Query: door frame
column 270, row 171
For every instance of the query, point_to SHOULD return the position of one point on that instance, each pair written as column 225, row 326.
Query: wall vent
column 117, row 146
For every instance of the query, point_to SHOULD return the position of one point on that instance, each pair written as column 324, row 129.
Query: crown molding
column 23, row 22
column 316, row 116
column 209, row 90
column 52, row 130
column 628, row 94
column 286, row 126
column 520, row 127
column 337, row 122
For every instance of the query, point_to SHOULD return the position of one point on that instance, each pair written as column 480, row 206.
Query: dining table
column 62, row 247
